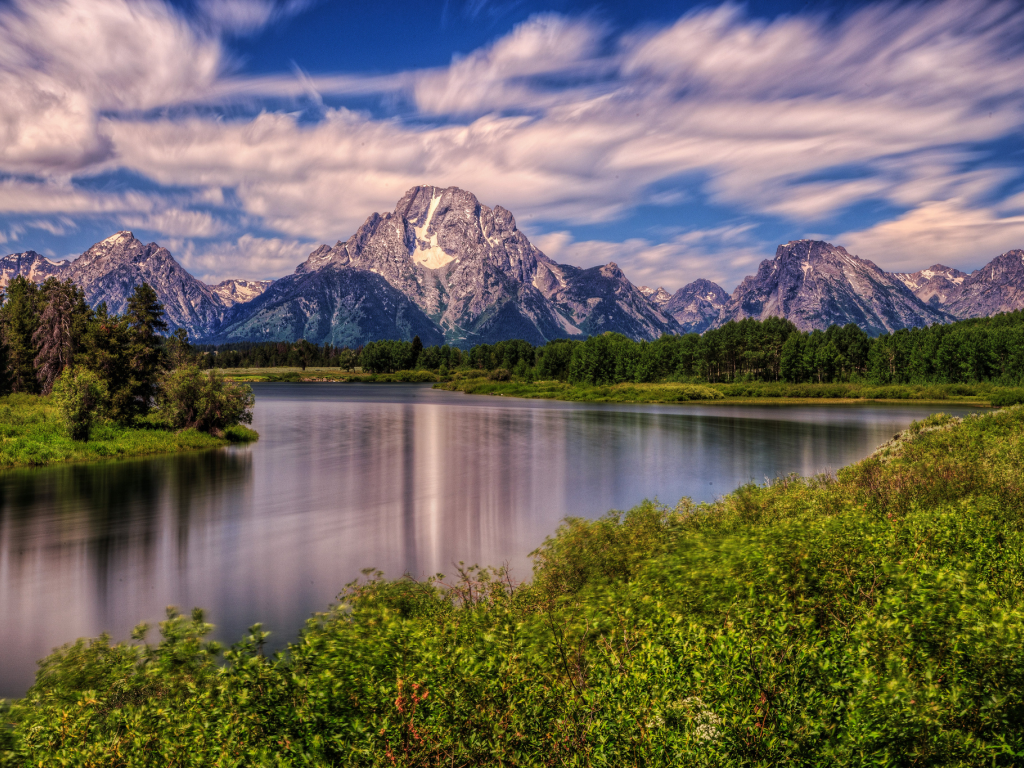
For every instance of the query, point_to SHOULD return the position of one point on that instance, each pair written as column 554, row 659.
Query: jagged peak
column 124, row 236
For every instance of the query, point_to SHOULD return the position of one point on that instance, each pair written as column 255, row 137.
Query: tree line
column 96, row 364
column 772, row 350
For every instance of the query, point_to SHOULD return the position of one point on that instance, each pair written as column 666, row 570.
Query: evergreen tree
column 144, row 320
column 19, row 320
column 61, row 326
column 417, row 350
column 179, row 351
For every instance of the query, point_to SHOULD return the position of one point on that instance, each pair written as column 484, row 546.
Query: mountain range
column 448, row 269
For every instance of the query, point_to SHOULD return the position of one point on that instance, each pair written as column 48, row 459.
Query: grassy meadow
column 872, row 618
column 669, row 392
column 317, row 374
column 31, row 434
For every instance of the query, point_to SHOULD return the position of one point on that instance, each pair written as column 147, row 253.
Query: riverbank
column 336, row 375
column 476, row 382
column 951, row 394
column 870, row 617
column 31, row 435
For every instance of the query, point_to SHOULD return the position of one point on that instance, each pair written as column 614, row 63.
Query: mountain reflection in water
column 402, row 478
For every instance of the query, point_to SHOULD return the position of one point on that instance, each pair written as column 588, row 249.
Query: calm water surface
column 402, row 478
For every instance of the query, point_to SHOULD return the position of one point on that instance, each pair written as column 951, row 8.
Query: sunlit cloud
column 563, row 120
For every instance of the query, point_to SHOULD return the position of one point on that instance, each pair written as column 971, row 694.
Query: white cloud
column 798, row 118
column 722, row 255
column 943, row 231
column 248, row 257
column 62, row 62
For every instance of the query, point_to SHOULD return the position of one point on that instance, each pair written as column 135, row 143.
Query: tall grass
column 31, row 435
column 869, row 618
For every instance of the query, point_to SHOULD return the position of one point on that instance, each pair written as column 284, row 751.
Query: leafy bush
column 78, row 394
column 1008, row 397
column 191, row 398
column 500, row 374
column 869, row 619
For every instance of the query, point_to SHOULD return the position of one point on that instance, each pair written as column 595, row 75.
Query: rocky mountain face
column 657, row 296
column 696, row 306
column 112, row 269
column 451, row 270
column 339, row 305
column 996, row 287
column 30, row 264
column 472, row 272
column 816, row 284
column 231, row 292
column 935, row 285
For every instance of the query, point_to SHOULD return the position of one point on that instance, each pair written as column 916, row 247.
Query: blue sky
column 680, row 140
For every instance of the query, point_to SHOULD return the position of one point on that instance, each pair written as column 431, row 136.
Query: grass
column 872, row 618
column 971, row 394
column 614, row 393
column 31, row 435
column 325, row 375
column 476, row 382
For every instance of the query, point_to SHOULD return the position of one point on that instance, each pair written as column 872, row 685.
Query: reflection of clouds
column 345, row 477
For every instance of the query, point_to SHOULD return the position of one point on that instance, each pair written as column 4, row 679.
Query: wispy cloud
column 562, row 120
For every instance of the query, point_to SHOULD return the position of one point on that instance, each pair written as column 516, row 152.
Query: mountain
column 231, row 292
column 816, row 284
column 996, row 287
column 657, row 296
column 473, row 273
column 935, row 285
column 112, row 269
column 696, row 306
column 30, row 264
column 601, row 299
column 340, row 305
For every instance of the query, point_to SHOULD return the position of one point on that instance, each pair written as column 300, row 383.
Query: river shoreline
column 477, row 383
column 31, row 436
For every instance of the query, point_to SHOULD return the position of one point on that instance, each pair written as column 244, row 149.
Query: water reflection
column 402, row 478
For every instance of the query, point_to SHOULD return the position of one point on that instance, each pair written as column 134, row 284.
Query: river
column 403, row 478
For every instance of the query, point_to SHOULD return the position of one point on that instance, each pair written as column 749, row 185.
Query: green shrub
column 500, row 374
column 1008, row 397
column 869, row 619
column 191, row 398
column 78, row 394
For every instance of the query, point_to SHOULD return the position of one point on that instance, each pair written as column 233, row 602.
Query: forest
column 773, row 350
column 98, row 367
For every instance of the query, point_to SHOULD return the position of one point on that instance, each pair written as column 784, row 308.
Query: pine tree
column 144, row 320
column 60, row 330
column 19, row 320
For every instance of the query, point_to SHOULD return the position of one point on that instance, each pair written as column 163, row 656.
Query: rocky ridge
column 996, row 287
column 935, row 285
column 449, row 269
column 816, row 284
column 334, row 304
column 697, row 306
column 30, row 264
column 232, row 292
column 478, row 277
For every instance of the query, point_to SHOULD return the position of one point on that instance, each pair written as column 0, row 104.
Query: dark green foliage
column 179, row 351
column 191, row 398
column 872, row 618
column 19, row 319
column 78, row 394
column 62, row 327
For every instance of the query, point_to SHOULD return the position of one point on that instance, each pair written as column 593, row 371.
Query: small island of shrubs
column 84, row 384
